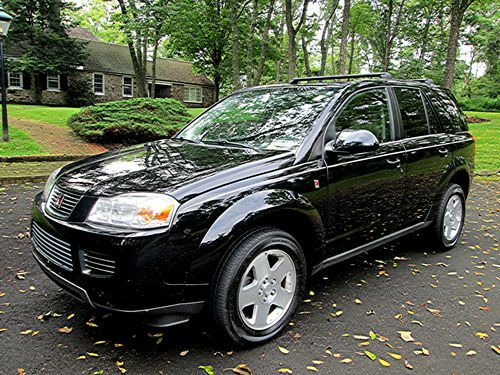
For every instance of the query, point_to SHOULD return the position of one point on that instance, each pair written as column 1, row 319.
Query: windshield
column 266, row 119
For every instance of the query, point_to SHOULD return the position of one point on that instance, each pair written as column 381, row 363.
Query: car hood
column 175, row 167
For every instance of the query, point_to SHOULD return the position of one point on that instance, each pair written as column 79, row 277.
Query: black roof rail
column 295, row 81
column 426, row 80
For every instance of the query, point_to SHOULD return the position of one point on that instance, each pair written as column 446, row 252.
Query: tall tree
column 386, row 29
column 39, row 36
column 264, row 42
column 143, row 25
column 292, row 33
column 201, row 34
column 329, row 8
column 344, row 36
column 458, row 9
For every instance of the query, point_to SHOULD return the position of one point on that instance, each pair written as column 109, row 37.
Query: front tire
column 450, row 217
column 259, row 286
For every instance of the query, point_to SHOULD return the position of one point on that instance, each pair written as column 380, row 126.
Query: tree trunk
column 250, row 40
column 265, row 43
column 325, row 35
column 351, row 54
column 458, row 8
column 306, row 56
column 423, row 47
column 235, row 68
column 153, row 68
column 292, row 34
column 343, row 38
column 37, row 91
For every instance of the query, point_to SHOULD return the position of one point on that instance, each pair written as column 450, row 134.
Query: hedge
column 130, row 121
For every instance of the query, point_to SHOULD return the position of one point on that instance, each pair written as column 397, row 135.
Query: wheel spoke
column 261, row 267
column 281, row 269
column 283, row 297
column 261, row 314
column 248, row 295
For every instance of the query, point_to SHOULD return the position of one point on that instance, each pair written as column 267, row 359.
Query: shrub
column 80, row 92
column 130, row 121
column 480, row 103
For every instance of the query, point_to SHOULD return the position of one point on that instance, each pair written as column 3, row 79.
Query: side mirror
column 353, row 141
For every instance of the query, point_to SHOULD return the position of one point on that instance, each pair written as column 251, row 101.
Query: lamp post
column 5, row 20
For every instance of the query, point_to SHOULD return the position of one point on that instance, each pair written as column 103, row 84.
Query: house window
column 193, row 94
column 98, row 84
column 128, row 87
column 53, row 82
column 15, row 80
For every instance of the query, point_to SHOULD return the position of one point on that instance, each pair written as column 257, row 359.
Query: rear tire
column 259, row 287
column 450, row 216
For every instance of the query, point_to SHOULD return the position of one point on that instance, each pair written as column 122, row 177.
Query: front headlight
column 134, row 210
column 50, row 184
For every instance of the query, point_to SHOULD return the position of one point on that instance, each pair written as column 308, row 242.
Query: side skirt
column 369, row 246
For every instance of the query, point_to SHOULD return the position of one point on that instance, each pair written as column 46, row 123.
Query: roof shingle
column 115, row 58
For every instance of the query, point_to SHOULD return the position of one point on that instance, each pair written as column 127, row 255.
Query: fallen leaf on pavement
column 384, row 363
column 406, row 336
column 242, row 369
column 65, row 329
column 283, row 350
column 208, row 369
column 370, row 355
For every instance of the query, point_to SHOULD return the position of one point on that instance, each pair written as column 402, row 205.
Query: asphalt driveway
column 445, row 304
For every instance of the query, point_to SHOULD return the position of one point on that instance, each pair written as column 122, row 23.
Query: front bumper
column 148, row 280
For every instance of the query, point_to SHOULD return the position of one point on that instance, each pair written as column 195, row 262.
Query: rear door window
column 413, row 113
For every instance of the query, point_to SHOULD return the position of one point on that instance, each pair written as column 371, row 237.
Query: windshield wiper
column 188, row 140
column 230, row 143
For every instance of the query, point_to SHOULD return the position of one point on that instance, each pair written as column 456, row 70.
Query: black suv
column 264, row 189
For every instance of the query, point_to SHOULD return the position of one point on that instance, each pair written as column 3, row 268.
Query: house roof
column 82, row 33
column 115, row 58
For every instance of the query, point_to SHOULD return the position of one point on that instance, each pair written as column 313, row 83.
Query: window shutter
column 42, row 81
column 26, row 81
column 64, row 82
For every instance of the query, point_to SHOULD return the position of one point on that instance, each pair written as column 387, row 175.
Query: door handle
column 396, row 162
column 443, row 152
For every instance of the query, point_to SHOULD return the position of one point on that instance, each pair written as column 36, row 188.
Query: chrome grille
column 62, row 202
column 98, row 263
column 51, row 248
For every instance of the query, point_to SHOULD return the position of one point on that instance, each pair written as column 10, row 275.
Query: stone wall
column 112, row 92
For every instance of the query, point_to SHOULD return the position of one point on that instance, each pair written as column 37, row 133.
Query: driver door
column 365, row 188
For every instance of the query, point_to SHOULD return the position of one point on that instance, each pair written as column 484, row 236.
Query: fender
column 283, row 208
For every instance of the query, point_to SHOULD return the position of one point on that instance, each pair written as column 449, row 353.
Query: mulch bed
column 476, row 120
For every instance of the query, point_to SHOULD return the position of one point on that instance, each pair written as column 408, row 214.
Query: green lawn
column 49, row 115
column 487, row 135
column 56, row 115
column 20, row 144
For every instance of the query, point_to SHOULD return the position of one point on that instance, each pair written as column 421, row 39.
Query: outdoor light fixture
column 5, row 21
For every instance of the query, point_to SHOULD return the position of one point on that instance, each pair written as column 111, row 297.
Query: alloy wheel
column 267, row 289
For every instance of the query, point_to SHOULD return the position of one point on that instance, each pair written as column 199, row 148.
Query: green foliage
column 130, row 121
column 80, row 93
column 480, row 103
column 39, row 36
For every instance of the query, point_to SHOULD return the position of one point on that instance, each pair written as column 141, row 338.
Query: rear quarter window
column 447, row 109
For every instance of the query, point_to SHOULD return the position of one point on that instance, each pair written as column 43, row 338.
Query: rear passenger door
column 428, row 155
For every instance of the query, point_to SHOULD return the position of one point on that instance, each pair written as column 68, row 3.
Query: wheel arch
column 462, row 178
column 282, row 209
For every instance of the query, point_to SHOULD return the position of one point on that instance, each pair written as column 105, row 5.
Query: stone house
column 109, row 68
